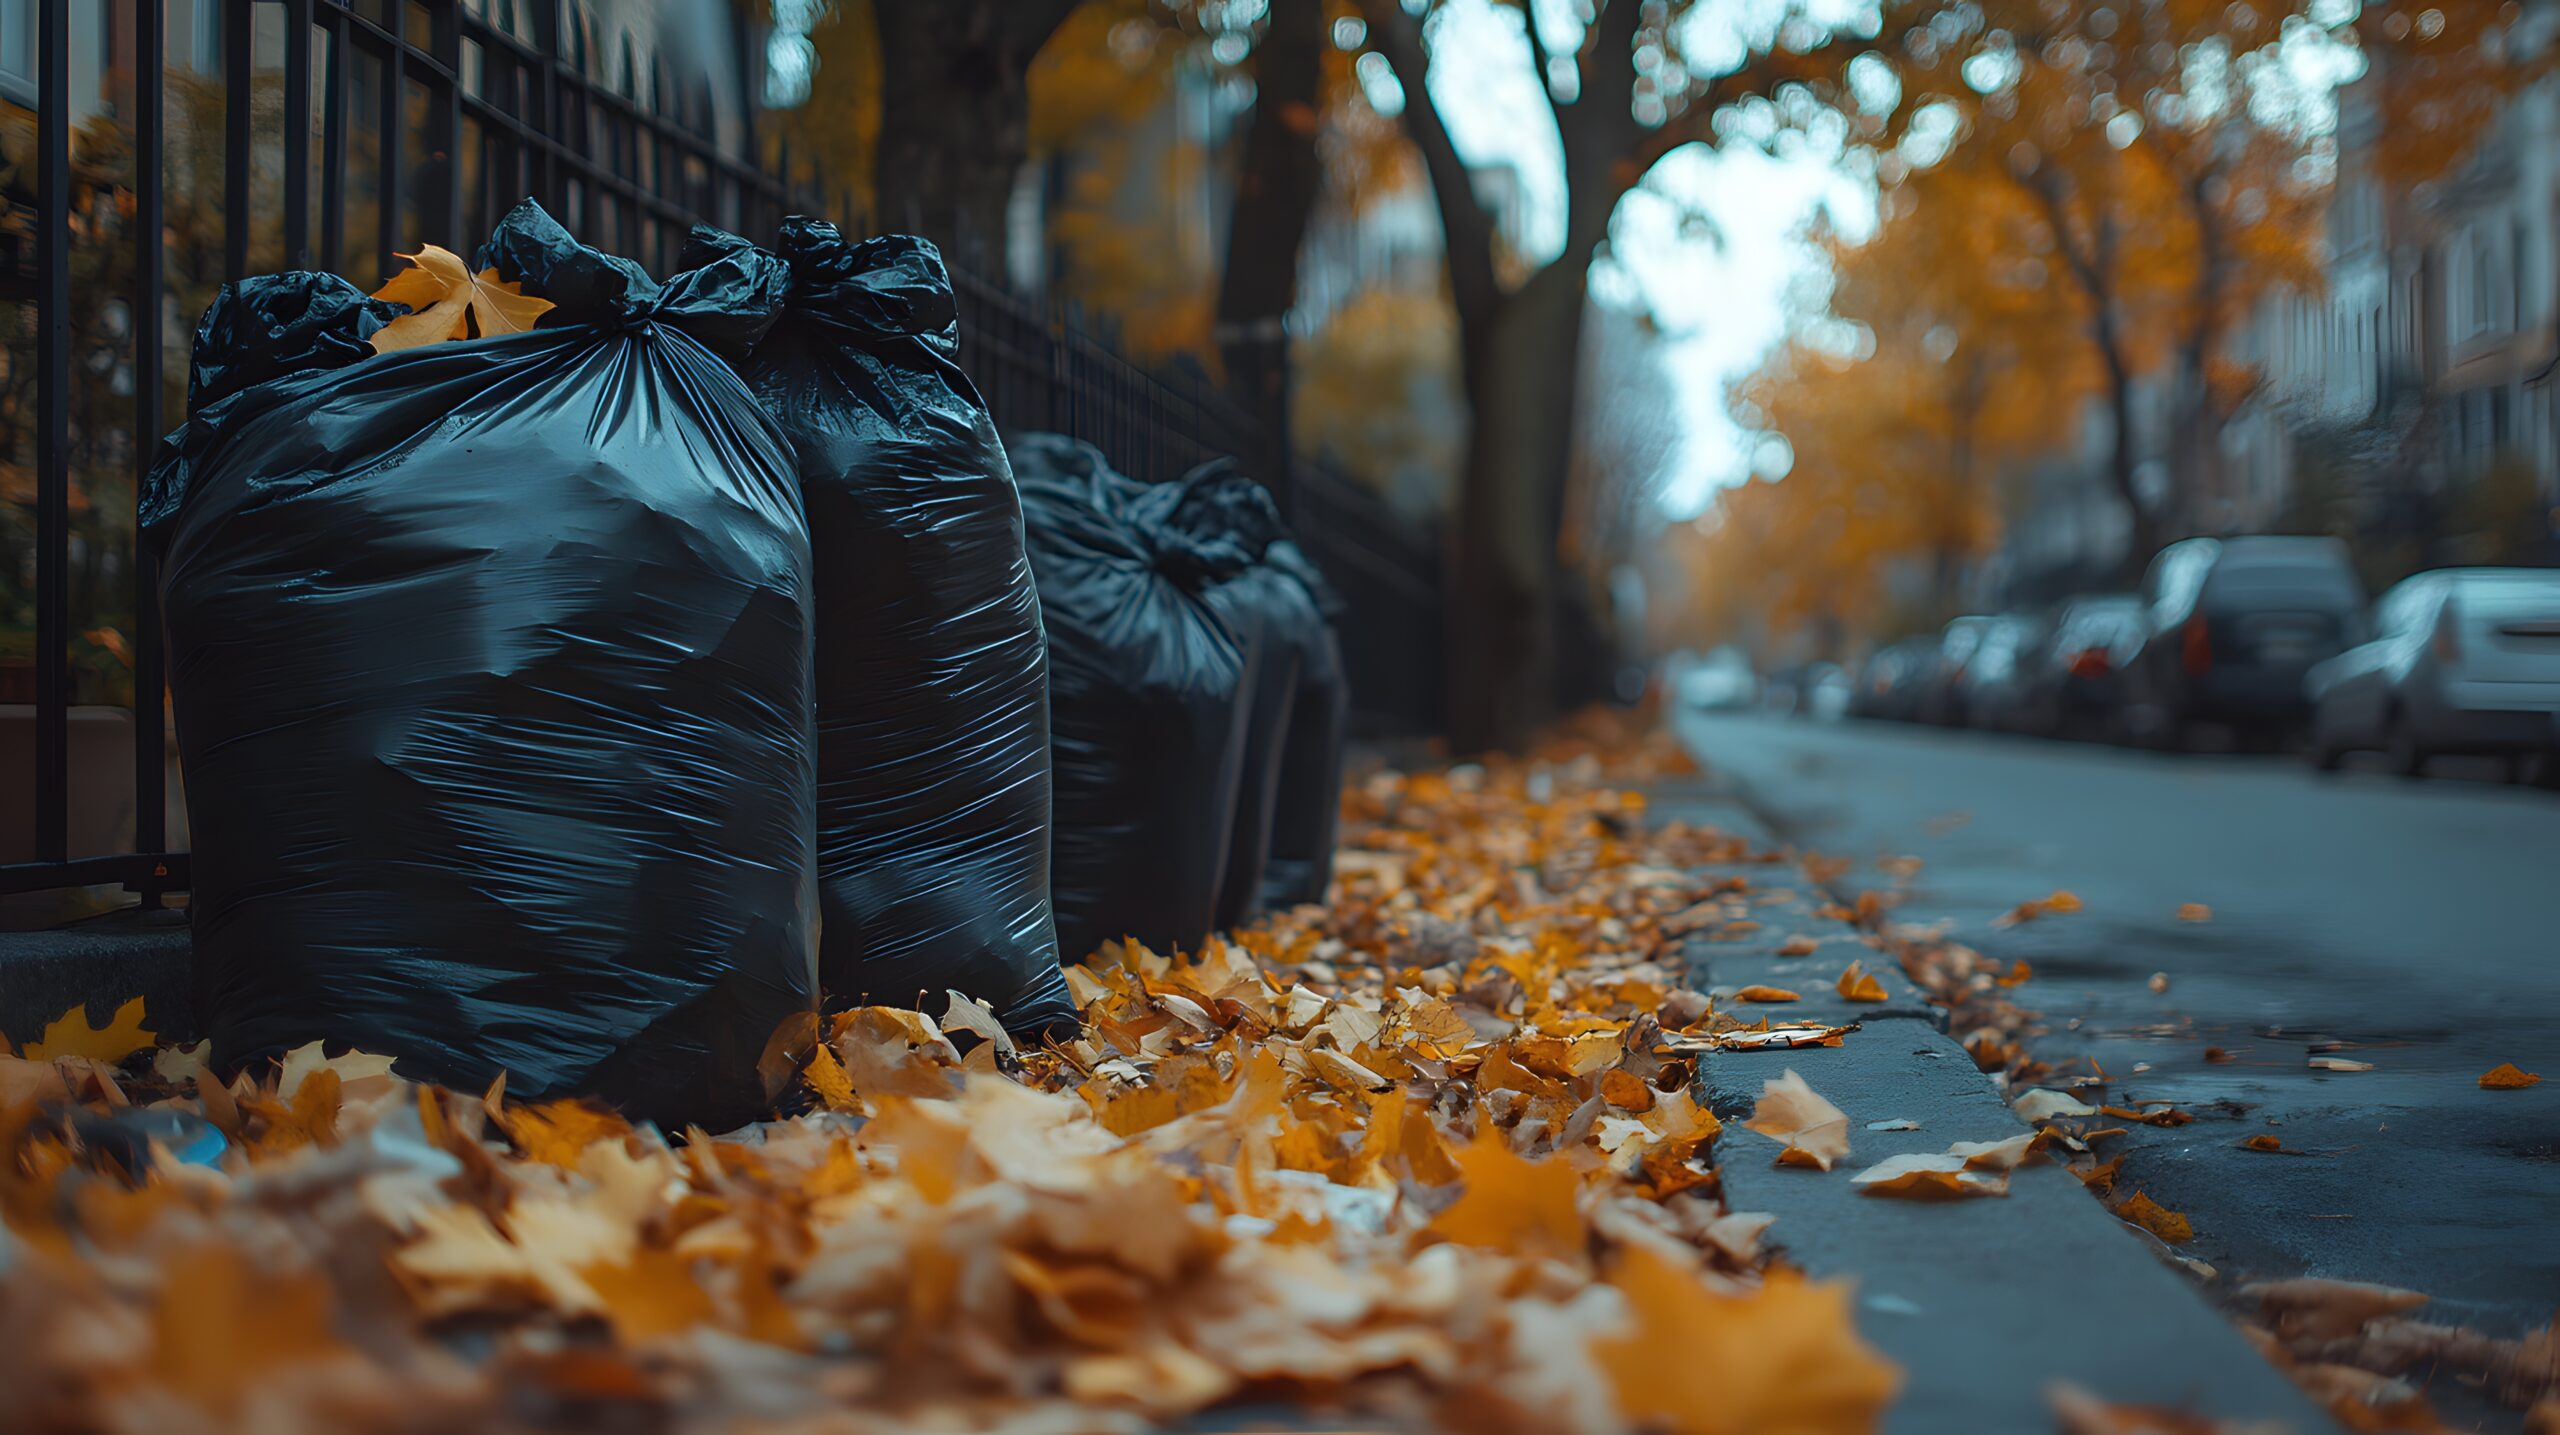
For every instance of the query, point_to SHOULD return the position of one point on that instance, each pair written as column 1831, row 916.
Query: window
column 18, row 51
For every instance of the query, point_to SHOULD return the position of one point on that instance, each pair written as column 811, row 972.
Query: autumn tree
column 1623, row 95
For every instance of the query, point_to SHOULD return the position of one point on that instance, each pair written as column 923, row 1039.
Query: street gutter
column 1986, row 1303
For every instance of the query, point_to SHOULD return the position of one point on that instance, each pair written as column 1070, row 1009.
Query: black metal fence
column 200, row 140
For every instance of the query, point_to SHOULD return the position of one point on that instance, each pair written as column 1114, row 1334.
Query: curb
column 1986, row 1302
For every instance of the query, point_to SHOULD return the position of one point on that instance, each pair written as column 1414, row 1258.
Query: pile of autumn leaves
column 1424, row 1157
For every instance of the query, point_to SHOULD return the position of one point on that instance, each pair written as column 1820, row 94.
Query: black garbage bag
column 1273, row 619
column 1308, row 810
column 491, row 669
column 1147, row 694
column 932, row 674
column 1299, row 752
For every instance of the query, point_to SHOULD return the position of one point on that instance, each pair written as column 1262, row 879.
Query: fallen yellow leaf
column 1513, row 1204
column 1857, row 984
column 1758, row 993
column 2159, row 1220
column 1783, row 1358
column 71, row 1035
column 447, row 300
column 2262, row 1143
column 2506, row 1077
column 2194, row 912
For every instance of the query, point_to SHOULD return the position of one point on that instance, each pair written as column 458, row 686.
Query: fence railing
column 205, row 141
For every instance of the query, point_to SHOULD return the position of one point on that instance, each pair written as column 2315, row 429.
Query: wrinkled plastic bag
column 1147, row 699
column 1297, row 754
column 491, row 671
column 1273, row 620
column 932, row 674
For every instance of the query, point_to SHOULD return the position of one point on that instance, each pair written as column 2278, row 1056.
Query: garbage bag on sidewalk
column 1290, row 799
column 1308, row 810
column 1147, row 694
column 1269, row 614
column 491, row 668
column 932, row 675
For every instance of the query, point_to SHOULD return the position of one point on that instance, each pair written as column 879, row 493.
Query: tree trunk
column 1276, row 188
column 1499, row 629
column 2142, row 534
column 955, row 118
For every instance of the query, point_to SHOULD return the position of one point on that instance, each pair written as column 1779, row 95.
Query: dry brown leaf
column 1757, row 993
column 2194, row 912
column 2262, row 1142
column 1794, row 1114
column 448, row 301
column 2040, row 1106
column 2506, row 1077
column 2159, row 1220
column 2317, row 1309
column 1857, row 984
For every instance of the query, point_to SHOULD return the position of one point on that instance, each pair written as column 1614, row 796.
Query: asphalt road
column 2416, row 922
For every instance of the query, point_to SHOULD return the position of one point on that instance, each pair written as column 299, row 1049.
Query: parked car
column 2463, row 660
column 1942, row 695
column 1991, row 689
column 2230, row 626
column 1891, row 680
column 1719, row 681
column 1822, row 693
column 2073, row 679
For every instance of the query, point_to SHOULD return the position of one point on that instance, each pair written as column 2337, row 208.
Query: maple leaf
column 71, row 1035
column 653, row 1293
column 558, row 1133
column 448, row 301
column 1512, row 1204
column 221, row 1324
column 1785, row 1357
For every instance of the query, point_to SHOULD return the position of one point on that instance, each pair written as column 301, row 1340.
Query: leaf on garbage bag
column 2159, row 1220
column 1814, row 1132
column 447, row 300
column 71, row 1035
column 1857, row 984
column 2506, row 1077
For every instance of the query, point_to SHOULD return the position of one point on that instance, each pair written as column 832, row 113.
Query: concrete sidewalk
column 1984, row 1302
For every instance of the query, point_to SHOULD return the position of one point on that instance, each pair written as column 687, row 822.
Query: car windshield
column 2306, row 581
